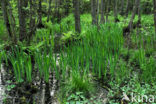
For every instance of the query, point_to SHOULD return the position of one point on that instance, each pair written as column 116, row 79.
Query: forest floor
column 129, row 63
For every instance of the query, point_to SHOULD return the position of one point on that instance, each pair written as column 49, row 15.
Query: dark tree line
column 30, row 13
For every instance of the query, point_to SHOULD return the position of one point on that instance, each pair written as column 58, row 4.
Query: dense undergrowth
column 120, row 64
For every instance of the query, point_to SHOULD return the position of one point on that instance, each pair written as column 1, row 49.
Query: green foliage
column 2, row 31
column 75, row 84
column 146, row 6
column 44, row 63
column 22, row 65
column 99, row 53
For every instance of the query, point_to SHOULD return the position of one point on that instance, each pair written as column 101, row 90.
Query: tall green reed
column 17, row 62
column 44, row 62
column 28, row 69
column 22, row 64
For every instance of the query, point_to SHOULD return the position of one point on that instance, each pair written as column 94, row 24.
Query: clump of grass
column 22, row 65
column 46, row 66
column 148, row 73
column 77, row 83
column 44, row 61
column 122, row 71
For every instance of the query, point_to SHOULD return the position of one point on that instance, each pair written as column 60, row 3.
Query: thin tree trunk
column 102, row 11
column 32, row 25
column 49, row 10
column 133, row 14
column 116, row 10
column 40, row 13
column 12, row 22
column 67, row 7
column 139, row 18
column 22, row 19
column 77, row 15
column 97, row 24
column 127, row 8
column 94, row 12
column 57, row 10
column 154, row 5
column 122, row 7
column 6, row 17
column 107, row 9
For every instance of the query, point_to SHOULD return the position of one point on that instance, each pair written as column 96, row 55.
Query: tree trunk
column 154, row 5
column 32, row 25
column 67, row 7
column 97, row 24
column 77, row 15
column 107, row 9
column 56, row 6
column 139, row 18
column 40, row 25
column 127, row 8
column 13, row 23
column 116, row 10
column 22, row 19
column 6, row 17
column 94, row 12
column 102, row 11
column 57, row 15
column 133, row 14
column 122, row 7
column 58, row 11
column 49, row 10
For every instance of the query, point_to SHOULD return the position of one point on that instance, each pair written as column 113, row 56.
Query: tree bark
column 57, row 15
column 40, row 13
column 6, row 17
column 94, row 12
column 77, row 15
column 12, row 22
column 102, row 11
column 67, row 7
column 133, row 14
column 116, row 10
column 49, row 10
column 139, row 18
column 97, row 24
column 122, row 7
column 127, row 8
column 154, row 5
column 107, row 9
column 22, row 4
column 32, row 25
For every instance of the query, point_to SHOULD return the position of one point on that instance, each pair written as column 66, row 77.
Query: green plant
column 2, row 30
column 77, row 98
column 44, row 63
column 76, row 83
column 1, row 54
column 17, row 62
column 22, row 65
column 28, row 69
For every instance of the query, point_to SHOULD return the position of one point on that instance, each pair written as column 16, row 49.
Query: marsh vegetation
column 80, row 52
